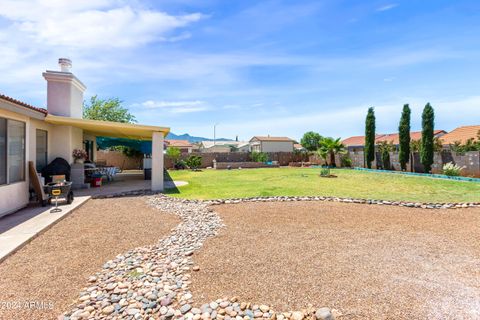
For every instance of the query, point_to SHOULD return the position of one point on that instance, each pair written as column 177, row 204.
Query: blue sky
column 254, row 67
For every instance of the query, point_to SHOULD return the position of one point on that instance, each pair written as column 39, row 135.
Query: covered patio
column 91, row 129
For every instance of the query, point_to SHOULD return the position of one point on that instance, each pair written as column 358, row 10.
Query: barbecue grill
column 59, row 189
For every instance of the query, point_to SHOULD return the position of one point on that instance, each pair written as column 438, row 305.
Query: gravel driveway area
column 376, row 262
column 55, row 266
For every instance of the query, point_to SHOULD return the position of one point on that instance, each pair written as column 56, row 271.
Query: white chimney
column 64, row 91
column 65, row 64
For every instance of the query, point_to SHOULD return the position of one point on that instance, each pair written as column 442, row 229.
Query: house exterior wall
column 66, row 139
column 276, row 146
column 215, row 149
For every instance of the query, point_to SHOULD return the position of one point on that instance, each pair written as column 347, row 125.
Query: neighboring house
column 356, row 143
column 271, row 144
column 28, row 133
column 461, row 135
column 224, row 146
column 184, row 145
column 298, row 147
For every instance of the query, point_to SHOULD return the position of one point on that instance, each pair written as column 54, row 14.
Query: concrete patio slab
column 19, row 228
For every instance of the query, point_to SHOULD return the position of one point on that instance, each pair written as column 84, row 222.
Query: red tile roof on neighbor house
column 389, row 137
column 414, row 136
column 268, row 138
column 179, row 143
column 356, row 140
column 22, row 104
column 461, row 134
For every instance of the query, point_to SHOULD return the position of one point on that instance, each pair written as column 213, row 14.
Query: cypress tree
column 427, row 146
column 370, row 138
column 404, row 137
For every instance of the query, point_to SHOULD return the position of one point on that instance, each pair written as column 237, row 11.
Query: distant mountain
column 186, row 136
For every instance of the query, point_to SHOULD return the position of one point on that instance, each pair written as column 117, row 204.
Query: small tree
column 427, row 145
column 194, row 162
column 404, row 137
column 174, row 154
column 332, row 147
column 385, row 148
column 370, row 138
column 107, row 110
column 311, row 141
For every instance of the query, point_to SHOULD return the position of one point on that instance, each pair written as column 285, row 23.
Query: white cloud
column 174, row 106
column 346, row 121
column 387, row 7
column 91, row 24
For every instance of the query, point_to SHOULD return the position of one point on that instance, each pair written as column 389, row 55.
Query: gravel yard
column 365, row 261
column 55, row 266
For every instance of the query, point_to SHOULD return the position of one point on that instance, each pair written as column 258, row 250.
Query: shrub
column 194, row 162
column 452, row 170
column 385, row 148
column 346, row 161
column 325, row 172
column 180, row 165
column 259, row 156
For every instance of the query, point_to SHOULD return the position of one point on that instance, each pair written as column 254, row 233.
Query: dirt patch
column 367, row 261
column 55, row 266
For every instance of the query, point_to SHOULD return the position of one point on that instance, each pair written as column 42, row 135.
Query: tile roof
column 461, row 134
column 389, row 137
column 414, row 135
column 179, row 143
column 282, row 139
column 354, row 141
column 23, row 104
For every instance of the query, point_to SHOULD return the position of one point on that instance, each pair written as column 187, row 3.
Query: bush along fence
column 282, row 158
column 469, row 161
column 436, row 176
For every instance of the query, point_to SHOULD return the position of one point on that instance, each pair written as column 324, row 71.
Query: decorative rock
column 297, row 315
column 108, row 310
column 324, row 314
column 165, row 301
column 154, row 280
column 185, row 308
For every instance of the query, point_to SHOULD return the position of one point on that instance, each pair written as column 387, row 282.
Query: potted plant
column 79, row 155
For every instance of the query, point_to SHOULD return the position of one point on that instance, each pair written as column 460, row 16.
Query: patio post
column 157, row 161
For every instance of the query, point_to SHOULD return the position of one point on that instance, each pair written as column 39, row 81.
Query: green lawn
column 211, row 184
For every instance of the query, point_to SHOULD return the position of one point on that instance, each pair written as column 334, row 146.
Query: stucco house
column 28, row 133
column 271, row 144
column 224, row 146
column 184, row 145
column 461, row 135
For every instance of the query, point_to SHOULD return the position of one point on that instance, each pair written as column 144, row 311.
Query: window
column 16, row 151
column 12, row 151
column 42, row 149
column 3, row 151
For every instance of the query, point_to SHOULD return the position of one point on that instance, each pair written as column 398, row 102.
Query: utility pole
column 214, row 133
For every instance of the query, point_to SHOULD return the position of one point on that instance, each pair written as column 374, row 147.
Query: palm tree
column 331, row 147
